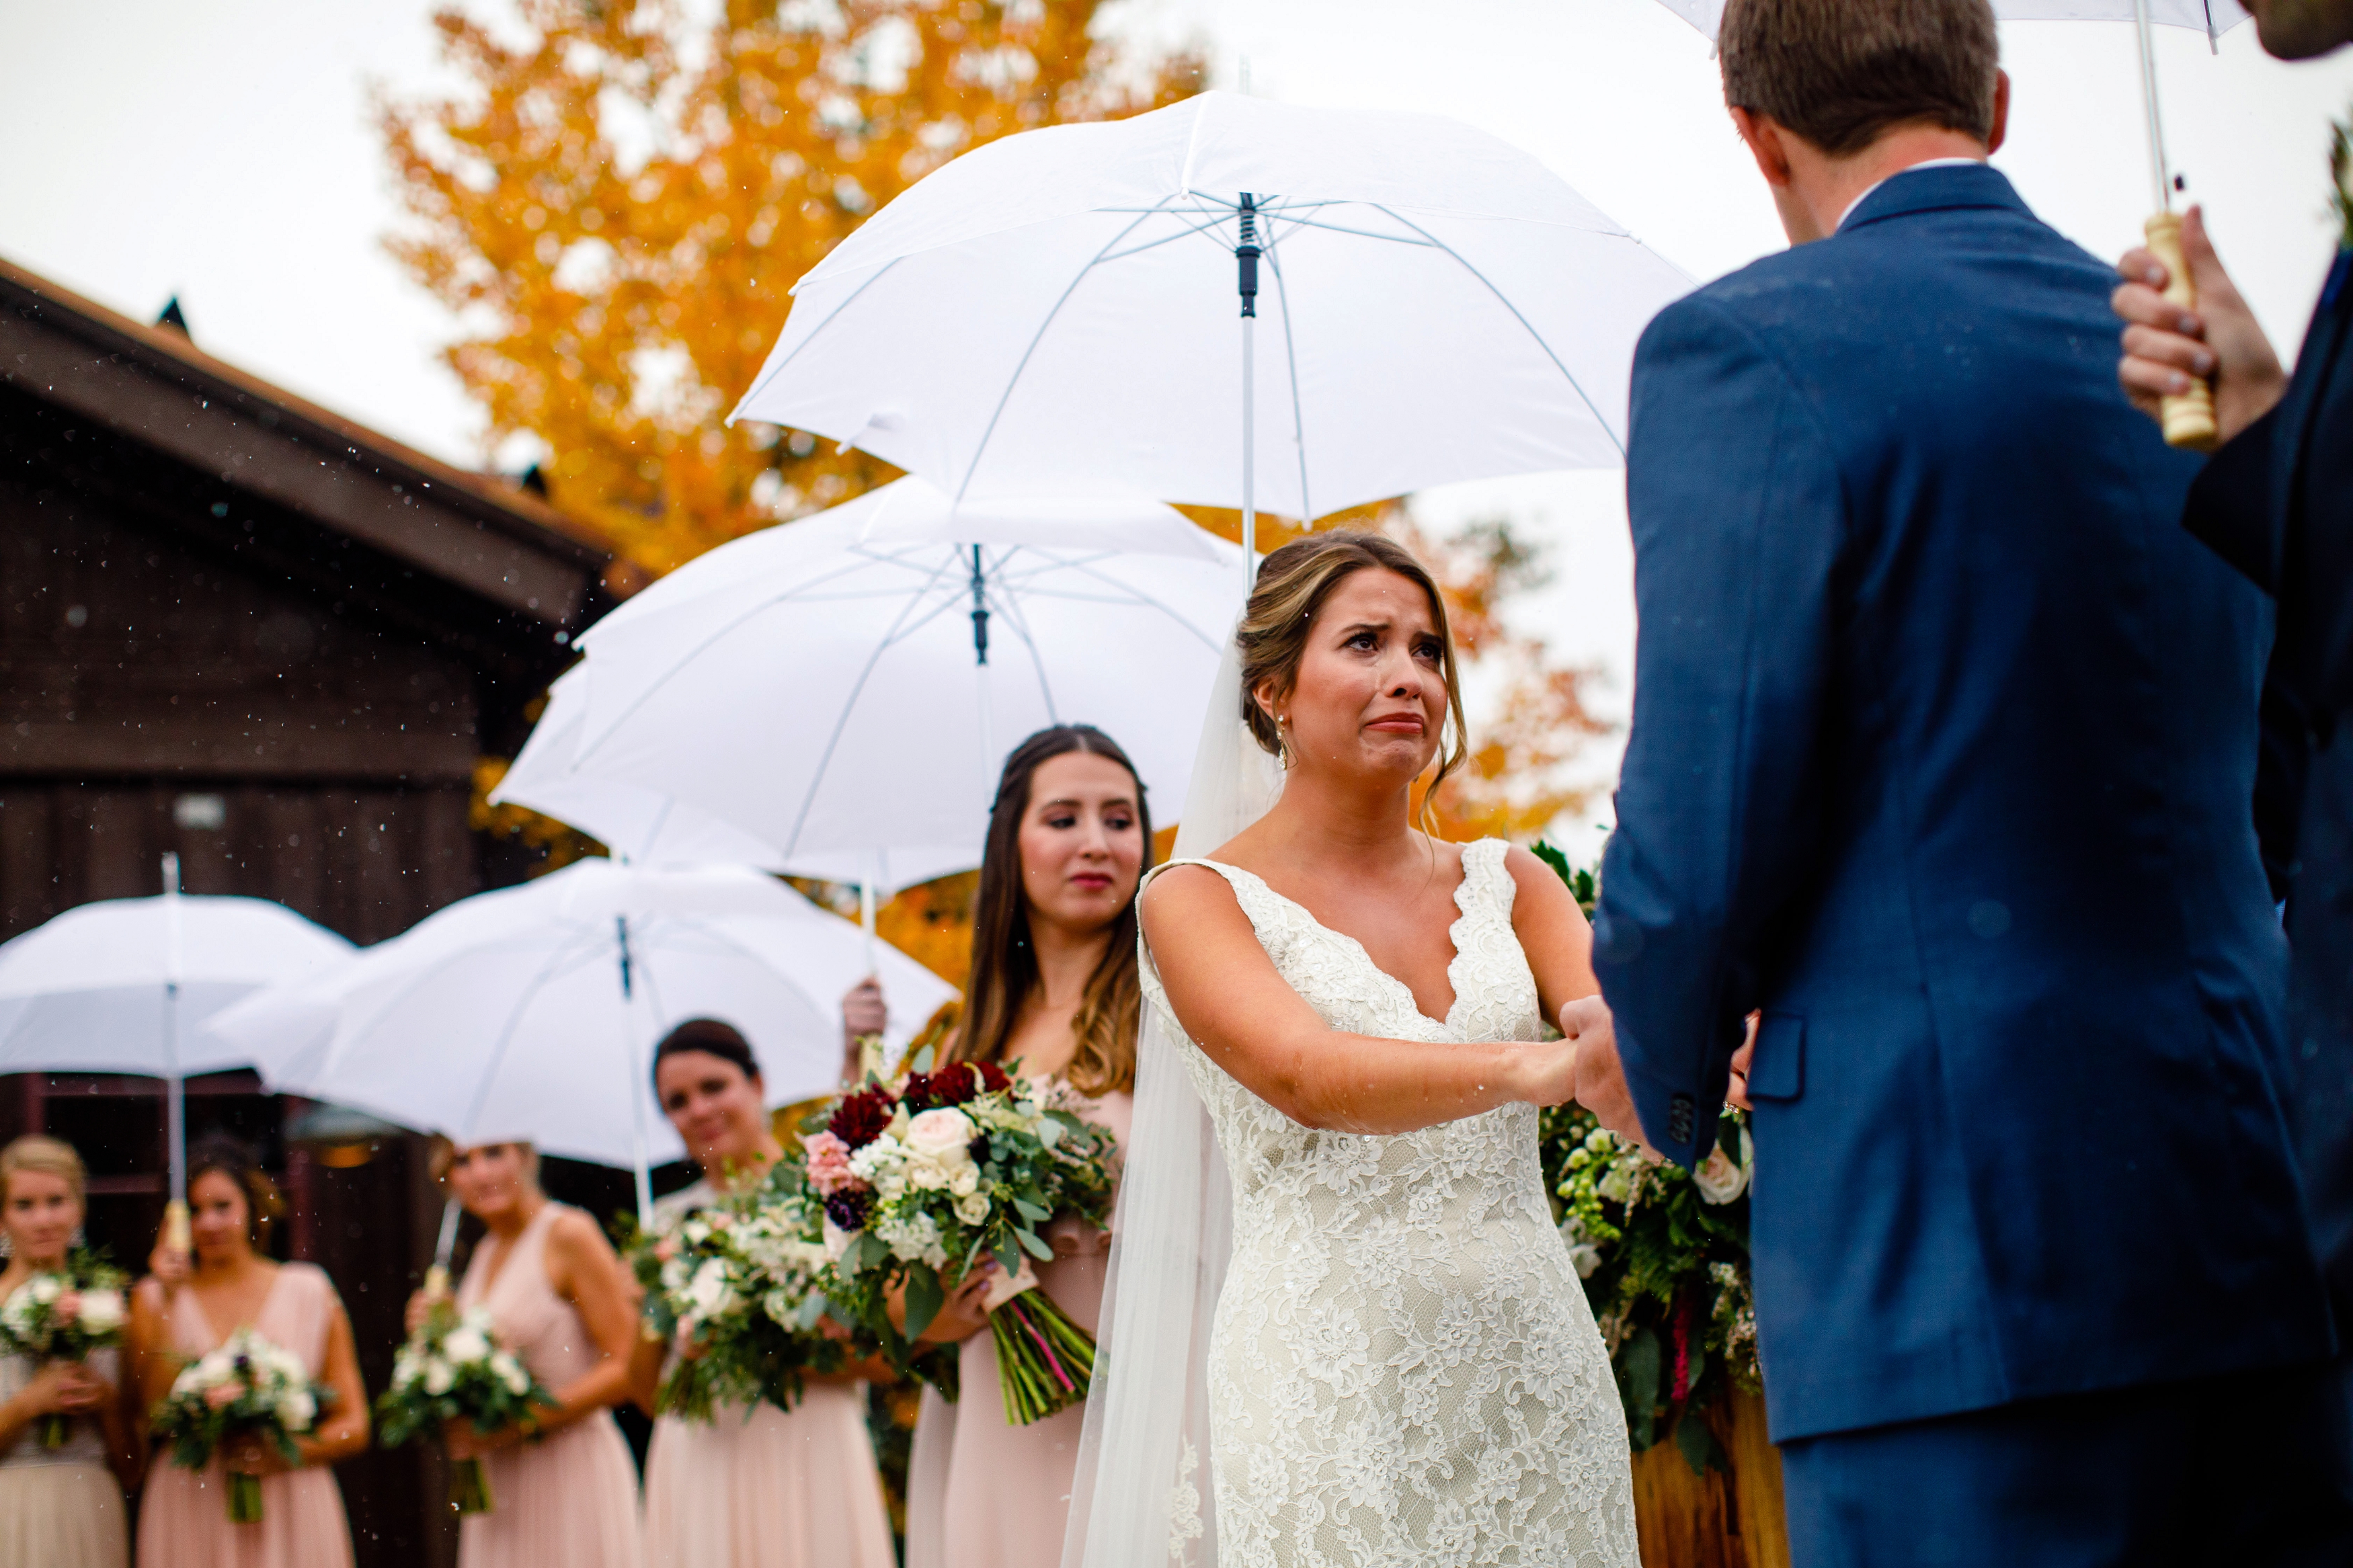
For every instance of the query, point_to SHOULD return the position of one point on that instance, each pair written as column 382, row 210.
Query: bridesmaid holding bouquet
column 60, row 1490
column 1054, row 994
column 188, row 1307
column 766, row 1488
column 562, row 1487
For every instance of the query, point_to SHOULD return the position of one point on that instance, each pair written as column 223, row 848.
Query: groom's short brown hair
column 1841, row 72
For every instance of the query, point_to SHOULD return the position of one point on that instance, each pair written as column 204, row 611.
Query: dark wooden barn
column 238, row 627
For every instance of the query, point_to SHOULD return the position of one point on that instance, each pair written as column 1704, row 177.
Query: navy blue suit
column 2277, row 503
column 1943, row 743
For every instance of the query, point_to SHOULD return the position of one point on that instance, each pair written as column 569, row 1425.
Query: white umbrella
column 2189, row 417
column 531, row 1012
column 1073, row 308
column 640, row 826
column 124, row 986
column 2211, row 17
column 843, row 686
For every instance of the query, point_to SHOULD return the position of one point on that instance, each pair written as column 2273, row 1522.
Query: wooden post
column 1715, row 1520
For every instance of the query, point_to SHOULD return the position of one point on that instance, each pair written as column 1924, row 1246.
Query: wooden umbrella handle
column 2188, row 416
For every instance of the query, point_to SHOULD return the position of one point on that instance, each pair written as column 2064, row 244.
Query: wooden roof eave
column 151, row 385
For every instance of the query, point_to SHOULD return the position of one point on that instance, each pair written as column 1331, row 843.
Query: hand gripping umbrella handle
column 2188, row 416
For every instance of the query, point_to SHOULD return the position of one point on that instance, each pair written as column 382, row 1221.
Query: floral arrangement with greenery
column 1663, row 1255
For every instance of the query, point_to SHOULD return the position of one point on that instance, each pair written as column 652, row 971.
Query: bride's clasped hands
column 1402, row 1366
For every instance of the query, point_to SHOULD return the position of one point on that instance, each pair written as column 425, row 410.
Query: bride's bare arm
column 1553, row 932
column 1230, row 999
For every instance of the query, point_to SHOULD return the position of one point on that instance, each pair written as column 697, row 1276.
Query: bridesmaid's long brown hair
column 1005, row 964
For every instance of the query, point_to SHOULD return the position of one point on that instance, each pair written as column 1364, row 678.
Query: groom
column 1944, row 737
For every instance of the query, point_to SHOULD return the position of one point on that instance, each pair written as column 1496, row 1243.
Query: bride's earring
column 1282, row 740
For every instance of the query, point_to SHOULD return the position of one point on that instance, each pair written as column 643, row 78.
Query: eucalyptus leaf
column 1035, row 1247
column 924, row 1298
column 1031, row 1212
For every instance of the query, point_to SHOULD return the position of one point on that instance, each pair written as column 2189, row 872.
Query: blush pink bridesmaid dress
column 568, row 1500
column 768, row 1489
column 183, row 1514
column 983, row 1494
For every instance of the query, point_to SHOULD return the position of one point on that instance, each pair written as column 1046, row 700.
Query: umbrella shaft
column 1250, row 467
column 2160, row 178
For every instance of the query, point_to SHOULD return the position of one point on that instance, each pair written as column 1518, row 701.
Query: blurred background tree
column 618, row 206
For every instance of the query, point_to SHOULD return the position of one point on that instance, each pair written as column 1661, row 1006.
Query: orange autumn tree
column 617, row 206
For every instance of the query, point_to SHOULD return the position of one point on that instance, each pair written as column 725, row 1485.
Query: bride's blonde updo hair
column 1293, row 584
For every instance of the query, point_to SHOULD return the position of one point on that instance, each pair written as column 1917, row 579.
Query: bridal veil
column 1142, row 1497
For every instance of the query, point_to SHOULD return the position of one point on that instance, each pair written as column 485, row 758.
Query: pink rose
column 68, row 1308
column 221, row 1395
column 828, row 1163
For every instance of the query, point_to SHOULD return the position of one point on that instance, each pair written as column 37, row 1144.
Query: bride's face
column 1081, row 842
column 1369, row 700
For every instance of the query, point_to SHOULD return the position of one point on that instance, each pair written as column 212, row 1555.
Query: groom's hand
column 1600, row 1079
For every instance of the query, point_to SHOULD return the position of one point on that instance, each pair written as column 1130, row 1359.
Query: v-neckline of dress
column 219, row 1338
column 1453, row 937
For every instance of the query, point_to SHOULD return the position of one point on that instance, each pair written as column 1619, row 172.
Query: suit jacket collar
column 1934, row 190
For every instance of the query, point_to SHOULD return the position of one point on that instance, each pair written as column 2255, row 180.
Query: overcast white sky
column 223, row 152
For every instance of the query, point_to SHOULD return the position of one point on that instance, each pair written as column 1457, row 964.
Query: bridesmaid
column 563, row 1487
column 188, row 1307
column 775, row 1490
column 60, row 1508
column 1054, row 994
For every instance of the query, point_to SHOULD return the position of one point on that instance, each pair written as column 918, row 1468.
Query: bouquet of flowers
column 63, row 1315
column 922, row 1184
column 734, row 1287
column 249, row 1387
column 454, row 1369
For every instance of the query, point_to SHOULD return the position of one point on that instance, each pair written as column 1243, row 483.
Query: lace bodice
column 1403, row 1369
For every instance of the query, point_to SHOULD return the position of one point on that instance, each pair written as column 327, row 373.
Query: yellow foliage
column 617, row 207
column 559, row 845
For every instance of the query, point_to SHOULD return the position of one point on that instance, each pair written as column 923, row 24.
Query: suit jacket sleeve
column 2230, row 507
column 1738, row 518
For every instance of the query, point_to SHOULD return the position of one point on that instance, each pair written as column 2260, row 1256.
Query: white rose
column 1616, row 1186
column 466, row 1345
column 940, row 1131
column 710, row 1290
column 46, row 1289
column 1720, row 1178
column 965, row 1181
column 102, row 1312
column 836, row 1242
column 438, row 1377
column 296, row 1410
column 972, row 1209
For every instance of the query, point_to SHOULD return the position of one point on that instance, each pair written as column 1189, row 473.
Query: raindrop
column 78, row 616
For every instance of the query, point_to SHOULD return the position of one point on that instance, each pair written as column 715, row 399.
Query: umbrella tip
column 170, row 871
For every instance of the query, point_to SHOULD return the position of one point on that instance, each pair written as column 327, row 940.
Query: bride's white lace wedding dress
column 1403, row 1370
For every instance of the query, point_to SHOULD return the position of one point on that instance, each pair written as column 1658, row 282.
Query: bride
column 1356, row 1298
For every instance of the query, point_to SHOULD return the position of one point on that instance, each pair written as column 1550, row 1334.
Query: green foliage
column 2340, row 174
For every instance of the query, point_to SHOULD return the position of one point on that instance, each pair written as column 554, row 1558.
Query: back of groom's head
column 1841, row 73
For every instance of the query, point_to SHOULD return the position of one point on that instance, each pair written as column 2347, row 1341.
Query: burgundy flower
column 848, row 1207
column 861, row 1118
column 992, row 1078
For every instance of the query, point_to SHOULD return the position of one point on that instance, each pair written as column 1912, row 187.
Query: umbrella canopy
column 2211, row 17
column 844, row 688
column 1059, row 310
column 124, row 984
column 532, row 1013
column 640, row 826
